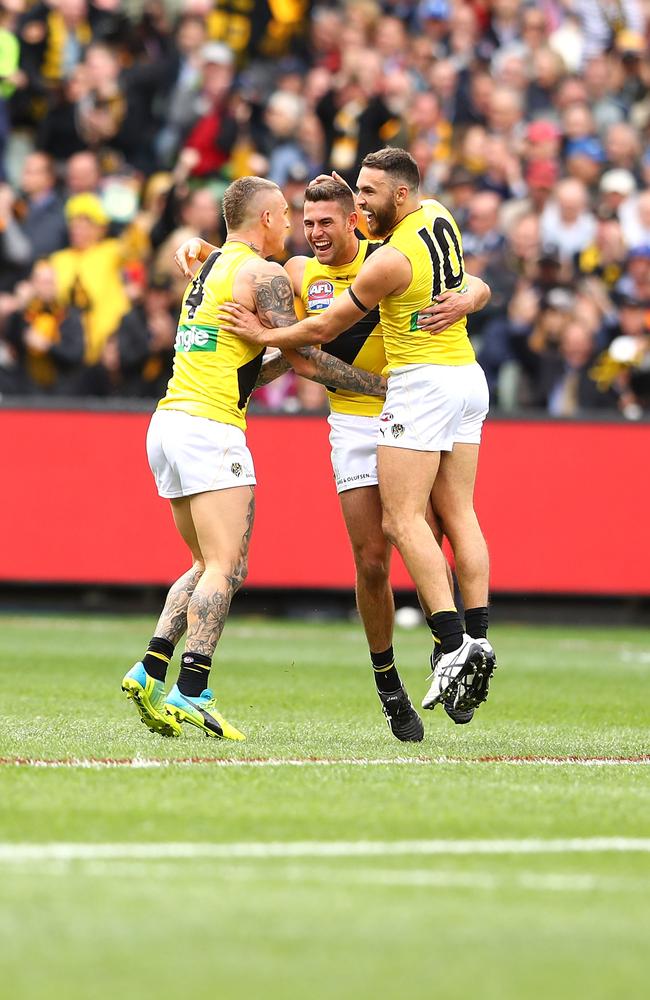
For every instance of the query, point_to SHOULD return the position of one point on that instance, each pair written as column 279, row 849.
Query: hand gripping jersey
column 214, row 371
column 430, row 239
column 362, row 345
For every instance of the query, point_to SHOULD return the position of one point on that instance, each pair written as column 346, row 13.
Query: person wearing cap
column 88, row 272
column 540, row 178
column 617, row 188
column 542, row 141
column 214, row 131
column 584, row 160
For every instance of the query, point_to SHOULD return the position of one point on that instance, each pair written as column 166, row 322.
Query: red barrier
column 563, row 506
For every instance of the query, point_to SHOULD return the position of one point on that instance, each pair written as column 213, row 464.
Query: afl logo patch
column 319, row 295
column 386, row 417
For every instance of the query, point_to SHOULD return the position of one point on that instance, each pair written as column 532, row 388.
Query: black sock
column 156, row 659
column 476, row 622
column 193, row 678
column 447, row 630
column 386, row 677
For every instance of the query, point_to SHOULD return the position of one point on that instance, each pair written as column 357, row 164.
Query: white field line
column 20, row 853
column 414, row 878
column 149, row 762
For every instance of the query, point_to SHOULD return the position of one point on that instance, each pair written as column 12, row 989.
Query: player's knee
column 393, row 527
column 198, row 567
column 372, row 566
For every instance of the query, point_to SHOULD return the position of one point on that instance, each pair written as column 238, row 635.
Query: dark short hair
column 331, row 190
column 397, row 163
column 238, row 196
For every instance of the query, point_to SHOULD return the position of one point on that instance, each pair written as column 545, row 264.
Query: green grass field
column 292, row 871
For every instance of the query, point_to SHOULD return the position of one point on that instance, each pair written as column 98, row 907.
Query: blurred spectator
column 634, row 214
column 184, row 73
column 89, row 272
column 43, row 222
column 15, row 248
column 355, row 118
column 604, row 258
column 284, row 113
column 137, row 359
column 10, row 74
column 46, row 337
column 602, row 22
column 624, row 367
column 482, row 236
column 566, row 220
column 616, row 188
column 213, row 135
column 83, row 174
column 635, row 281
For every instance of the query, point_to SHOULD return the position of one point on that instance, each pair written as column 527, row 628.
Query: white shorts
column 431, row 407
column 190, row 454
column 354, row 450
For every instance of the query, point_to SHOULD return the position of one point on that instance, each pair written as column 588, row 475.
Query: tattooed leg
column 224, row 523
column 173, row 619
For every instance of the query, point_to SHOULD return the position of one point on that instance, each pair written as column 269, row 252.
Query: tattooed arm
column 328, row 370
column 273, row 295
column 274, row 365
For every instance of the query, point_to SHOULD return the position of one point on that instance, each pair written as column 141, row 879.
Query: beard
column 385, row 218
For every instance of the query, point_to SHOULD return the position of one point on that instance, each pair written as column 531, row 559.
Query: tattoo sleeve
column 334, row 372
column 274, row 365
column 273, row 296
column 173, row 620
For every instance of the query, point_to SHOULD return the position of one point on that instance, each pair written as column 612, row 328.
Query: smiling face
column 329, row 230
column 378, row 199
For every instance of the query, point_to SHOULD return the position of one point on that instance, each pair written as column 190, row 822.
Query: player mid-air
column 430, row 426
column 197, row 451
column 330, row 225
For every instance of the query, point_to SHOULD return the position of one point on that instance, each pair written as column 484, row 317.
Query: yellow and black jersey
column 361, row 346
column 430, row 238
column 214, row 371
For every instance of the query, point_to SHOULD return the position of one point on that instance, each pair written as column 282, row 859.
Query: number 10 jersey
column 429, row 237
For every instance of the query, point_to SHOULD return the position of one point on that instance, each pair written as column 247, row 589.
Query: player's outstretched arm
column 273, row 296
column 386, row 272
column 449, row 307
column 191, row 252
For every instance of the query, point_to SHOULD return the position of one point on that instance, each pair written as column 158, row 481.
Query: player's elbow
column 326, row 334
column 484, row 294
column 302, row 362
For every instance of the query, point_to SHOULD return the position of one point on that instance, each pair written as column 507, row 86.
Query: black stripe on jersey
column 247, row 377
column 347, row 346
column 194, row 299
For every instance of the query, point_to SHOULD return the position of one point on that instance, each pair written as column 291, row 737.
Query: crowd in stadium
column 121, row 124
